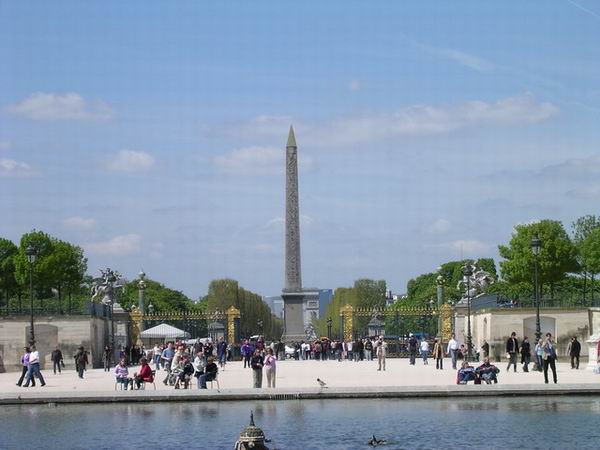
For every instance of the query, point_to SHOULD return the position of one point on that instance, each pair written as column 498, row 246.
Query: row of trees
column 256, row 316
column 59, row 269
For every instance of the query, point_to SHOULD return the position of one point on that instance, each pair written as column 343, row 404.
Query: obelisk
column 293, row 297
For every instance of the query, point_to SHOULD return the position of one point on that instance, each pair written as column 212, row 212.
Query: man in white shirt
column 34, row 367
column 453, row 349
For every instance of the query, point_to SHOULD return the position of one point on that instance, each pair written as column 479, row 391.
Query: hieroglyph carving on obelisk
column 293, row 277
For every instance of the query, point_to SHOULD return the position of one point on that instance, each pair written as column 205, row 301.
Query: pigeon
column 321, row 383
column 375, row 442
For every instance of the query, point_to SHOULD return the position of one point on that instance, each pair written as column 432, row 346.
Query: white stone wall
column 69, row 332
column 496, row 325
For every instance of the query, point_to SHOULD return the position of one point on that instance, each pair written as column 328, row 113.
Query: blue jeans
column 34, row 370
column 124, row 382
column 453, row 356
column 424, row 356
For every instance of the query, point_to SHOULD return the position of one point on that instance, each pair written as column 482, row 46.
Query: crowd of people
column 202, row 359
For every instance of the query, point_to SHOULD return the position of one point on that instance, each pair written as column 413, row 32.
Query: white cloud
column 469, row 247
column 12, row 168
column 305, row 221
column 353, row 85
column 79, row 223
column 131, row 161
column 439, row 226
column 70, row 106
column 118, row 246
column 256, row 161
column 408, row 121
column 5, row 145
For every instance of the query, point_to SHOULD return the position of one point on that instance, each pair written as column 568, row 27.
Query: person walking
column 166, row 359
column 246, row 353
column 369, row 350
column 81, row 361
column 34, row 367
column 539, row 353
column 525, row 354
column 438, row 354
column 222, row 352
column 412, row 348
column 512, row 348
column 573, row 350
column 257, row 362
column 452, row 350
column 57, row 360
column 270, row 368
column 485, row 349
column 107, row 358
column 424, row 351
column 25, row 369
column 381, row 352
column 549, row 356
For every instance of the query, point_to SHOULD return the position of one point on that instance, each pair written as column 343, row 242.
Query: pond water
column 524, row 422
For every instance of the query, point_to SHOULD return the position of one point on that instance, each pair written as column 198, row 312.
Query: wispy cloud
column 117, row 246
column 460, row 57
column 69, row 106
column 79, row 223
column 12, row 168
column 256, row 161
column 439, row 226
column 414, row 120
column 131, row 161
column 584, row 9
column 468, row 247
column 353, row 85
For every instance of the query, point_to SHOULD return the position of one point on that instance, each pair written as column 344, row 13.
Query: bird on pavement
column 321, row 383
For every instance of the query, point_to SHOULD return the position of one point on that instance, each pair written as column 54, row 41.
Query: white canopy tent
column 164, row 331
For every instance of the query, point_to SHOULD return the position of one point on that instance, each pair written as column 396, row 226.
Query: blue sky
column 153, row 134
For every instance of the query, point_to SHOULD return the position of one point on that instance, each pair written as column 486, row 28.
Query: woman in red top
column 145, row 374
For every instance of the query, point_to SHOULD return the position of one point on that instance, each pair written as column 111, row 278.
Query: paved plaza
column 303, row 374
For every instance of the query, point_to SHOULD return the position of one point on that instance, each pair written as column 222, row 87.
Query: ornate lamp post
column 440, row 281
column 468, row 272
column 329, row 322
column 31, row 253
column 536, row 246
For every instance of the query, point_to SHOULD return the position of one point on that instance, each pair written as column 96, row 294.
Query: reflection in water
column 318, row 424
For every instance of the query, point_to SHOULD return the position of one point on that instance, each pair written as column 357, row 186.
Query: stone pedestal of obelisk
column 293, row 297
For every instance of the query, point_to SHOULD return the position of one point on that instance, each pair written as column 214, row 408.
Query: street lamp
column 329, row 322
column 536, row 246
column 31, row 253
column 467, row 272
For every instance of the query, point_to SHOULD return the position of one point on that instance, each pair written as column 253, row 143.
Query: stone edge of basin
column 40, row 397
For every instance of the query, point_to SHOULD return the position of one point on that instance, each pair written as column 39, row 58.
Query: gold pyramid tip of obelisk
column 291, row 138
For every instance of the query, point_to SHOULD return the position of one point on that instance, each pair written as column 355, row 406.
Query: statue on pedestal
column 103, row 289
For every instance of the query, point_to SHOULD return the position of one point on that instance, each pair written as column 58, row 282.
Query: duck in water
column 376, row 442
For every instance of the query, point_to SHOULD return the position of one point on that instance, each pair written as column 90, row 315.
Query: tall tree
column 581, row 230
column 8, row 282
column 557, row 256
column 43, row 271
column 68, row 267
column 590, row 255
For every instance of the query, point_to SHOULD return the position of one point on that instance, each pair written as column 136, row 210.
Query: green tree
column 162, row 298
column 8, row 282
column 557, row 257
column 590, row 255
column 581, row 230
column 68, row 266
column 43, row 271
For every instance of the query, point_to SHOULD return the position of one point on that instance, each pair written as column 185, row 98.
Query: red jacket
column 146, row 373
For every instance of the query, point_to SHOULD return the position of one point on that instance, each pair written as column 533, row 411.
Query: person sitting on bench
column 488, row 371
column 465, row 374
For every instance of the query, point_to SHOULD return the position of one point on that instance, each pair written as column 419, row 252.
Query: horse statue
column 476, row 284
column 103, row 288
